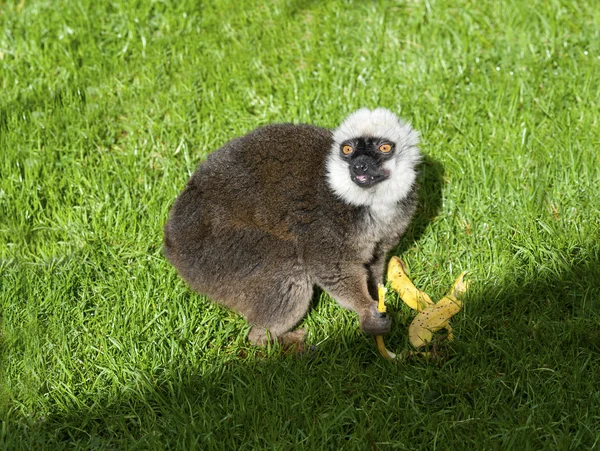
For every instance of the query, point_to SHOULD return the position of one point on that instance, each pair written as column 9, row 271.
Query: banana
column 399, row 281
column 387, row 354
column 436, row 316
column 432, row 319
column 460, row 285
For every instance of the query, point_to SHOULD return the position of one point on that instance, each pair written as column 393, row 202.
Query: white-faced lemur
column 286, row 207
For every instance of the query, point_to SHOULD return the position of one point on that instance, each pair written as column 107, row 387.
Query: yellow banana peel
column 386, row 353
column 399, row 282
column 460, row 285
column 436, row 317
column 431, row 317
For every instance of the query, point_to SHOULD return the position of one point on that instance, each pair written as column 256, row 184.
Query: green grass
column 107, row 107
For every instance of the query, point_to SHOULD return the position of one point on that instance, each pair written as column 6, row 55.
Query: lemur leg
column 348, row 285
column 277, row 308
column 375, row 273
column 261, row 336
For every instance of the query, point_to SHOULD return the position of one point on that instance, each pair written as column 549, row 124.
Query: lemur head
column 373, row 158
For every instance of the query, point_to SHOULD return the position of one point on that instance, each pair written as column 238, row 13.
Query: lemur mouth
column 368, row 180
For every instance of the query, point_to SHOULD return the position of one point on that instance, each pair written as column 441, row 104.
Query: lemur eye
column 385, row 148
column 347, row 150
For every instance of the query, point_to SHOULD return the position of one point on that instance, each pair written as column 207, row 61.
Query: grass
column 107, row 107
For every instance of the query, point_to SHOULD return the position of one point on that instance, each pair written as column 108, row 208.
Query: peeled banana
column 386, row 353
column 431, row 317
column 399, row 281
column 436, row 316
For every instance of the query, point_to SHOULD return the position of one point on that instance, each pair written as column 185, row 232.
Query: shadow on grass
column 524, row 370
column 431, row 182
column 553, row 311
column 253, row 402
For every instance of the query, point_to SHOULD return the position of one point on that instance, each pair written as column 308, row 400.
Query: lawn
column 107, row 107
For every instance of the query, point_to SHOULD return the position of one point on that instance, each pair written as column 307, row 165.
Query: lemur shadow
column 431, row 182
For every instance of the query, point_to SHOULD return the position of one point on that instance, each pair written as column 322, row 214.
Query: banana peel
column 386, row 353
column 436, row 317
column 399, row 282
column 431, row 317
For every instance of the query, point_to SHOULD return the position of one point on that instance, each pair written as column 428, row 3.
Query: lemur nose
column 360, row 167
